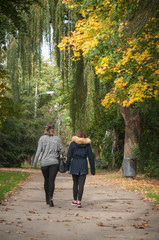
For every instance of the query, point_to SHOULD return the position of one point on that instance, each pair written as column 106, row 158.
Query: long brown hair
column 81, row 134
column 50, row 129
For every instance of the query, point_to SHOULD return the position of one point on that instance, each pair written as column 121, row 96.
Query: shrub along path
column 109, row 212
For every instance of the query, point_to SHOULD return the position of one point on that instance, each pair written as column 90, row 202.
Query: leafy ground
column 148, row 187
column 9, row 180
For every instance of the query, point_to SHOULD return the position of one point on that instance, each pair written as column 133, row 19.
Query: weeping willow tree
column 24, row 58
column 80, row 82
column 24, row 25
column 78, row 76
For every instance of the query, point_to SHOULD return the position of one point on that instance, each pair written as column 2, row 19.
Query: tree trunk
column 132, row 130
column 98, row 152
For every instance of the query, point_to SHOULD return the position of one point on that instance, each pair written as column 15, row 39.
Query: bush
column 149, row 144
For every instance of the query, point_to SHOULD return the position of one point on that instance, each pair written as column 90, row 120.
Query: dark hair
column 49, row 129
column 81, row 134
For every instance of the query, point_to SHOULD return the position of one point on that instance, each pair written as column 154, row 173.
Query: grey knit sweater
column 48, row 151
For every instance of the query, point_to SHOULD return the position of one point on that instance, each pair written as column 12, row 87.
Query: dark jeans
column 78, row 186
column 49, row 173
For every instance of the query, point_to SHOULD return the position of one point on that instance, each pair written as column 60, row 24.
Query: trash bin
column 129, row 167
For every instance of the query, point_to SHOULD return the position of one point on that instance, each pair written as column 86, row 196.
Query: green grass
column 29, row 166
column 152, row 194
column 9, row 180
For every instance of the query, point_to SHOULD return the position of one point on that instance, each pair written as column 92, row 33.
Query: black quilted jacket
column 77, row 154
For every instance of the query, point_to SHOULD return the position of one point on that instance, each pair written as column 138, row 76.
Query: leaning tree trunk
column 132, row 130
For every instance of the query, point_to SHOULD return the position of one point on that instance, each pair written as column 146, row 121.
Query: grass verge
column 9, row 180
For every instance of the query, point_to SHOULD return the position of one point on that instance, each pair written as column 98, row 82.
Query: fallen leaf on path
column 142, row 219
column 109, row 237
column 19, row 225
column 9, row 223
column 2, row 221
column 20, row 232
column 42, row 233
column 139, row 226
column 32, row 211
column 119, row 229
column 100, row 224
column 114, row 226
column 67, row 220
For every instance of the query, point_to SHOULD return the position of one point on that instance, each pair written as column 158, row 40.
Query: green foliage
column 20, row 129
column 11, row 16
column 148, row 153
column 15, row 143
column 101, row 133
column 6, row 104
column 25, row 106
column 106, row 153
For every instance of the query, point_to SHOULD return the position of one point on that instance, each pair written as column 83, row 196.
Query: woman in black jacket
column 78, row 152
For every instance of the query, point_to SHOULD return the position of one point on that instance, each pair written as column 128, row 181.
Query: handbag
column 62, row 162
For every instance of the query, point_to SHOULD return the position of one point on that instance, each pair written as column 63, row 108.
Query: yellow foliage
column 135, row 92
column 86, row 33
column 133, row 59
column 69, row 3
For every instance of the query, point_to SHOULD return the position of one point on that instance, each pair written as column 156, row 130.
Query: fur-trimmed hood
column 81, row 140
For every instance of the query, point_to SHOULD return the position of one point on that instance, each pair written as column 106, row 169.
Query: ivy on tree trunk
column 132, row 130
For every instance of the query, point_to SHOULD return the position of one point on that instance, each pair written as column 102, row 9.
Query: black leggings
column 49, row 173
column 78, row 186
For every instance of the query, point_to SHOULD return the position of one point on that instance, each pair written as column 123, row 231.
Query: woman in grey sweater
column 49, row 149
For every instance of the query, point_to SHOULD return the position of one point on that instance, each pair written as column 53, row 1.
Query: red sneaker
column 74, row 203
column 79, row 205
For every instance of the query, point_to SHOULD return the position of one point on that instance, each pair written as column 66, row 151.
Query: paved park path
column 108, row 213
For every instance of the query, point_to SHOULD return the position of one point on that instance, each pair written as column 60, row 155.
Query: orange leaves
column 140, row 184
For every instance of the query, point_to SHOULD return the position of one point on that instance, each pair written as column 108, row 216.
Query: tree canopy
column 121, row 39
